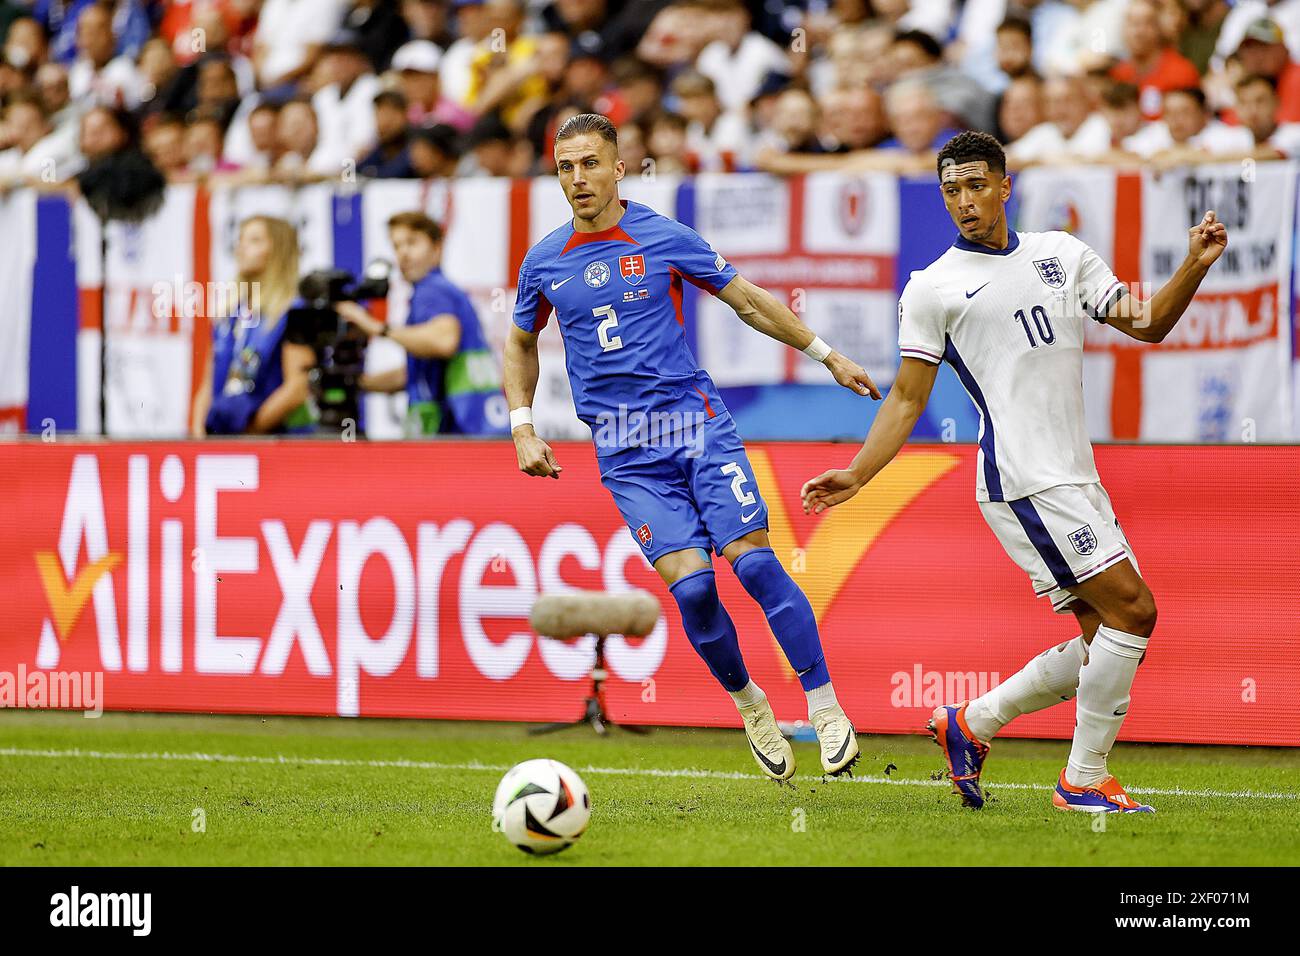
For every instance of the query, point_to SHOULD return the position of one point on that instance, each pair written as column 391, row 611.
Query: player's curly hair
column 589, row 123
column 972, row 147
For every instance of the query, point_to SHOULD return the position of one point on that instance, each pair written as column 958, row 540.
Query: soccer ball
column 541, row 806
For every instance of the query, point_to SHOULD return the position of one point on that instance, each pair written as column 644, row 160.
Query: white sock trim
column 747, row 696
column 821, row 698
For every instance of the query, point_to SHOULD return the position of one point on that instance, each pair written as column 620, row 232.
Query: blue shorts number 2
column 688, row 495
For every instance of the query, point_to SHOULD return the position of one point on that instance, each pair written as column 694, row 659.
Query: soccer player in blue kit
column 614, row 277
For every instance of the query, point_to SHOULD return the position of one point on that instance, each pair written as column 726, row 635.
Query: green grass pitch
column 130, row 789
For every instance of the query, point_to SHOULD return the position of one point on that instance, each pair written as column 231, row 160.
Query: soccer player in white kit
column 1008, row 313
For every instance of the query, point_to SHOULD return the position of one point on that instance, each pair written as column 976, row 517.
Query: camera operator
column 263, row 379
column 451, row 378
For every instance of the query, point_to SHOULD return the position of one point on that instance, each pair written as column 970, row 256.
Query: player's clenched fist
column 828, row 489
column 1207, row 239
column 535, row 456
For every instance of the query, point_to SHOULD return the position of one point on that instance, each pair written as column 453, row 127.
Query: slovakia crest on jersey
column 632, row 268
column 1084, row 541
column 1051, row 271
column 645, row 535
column 596, row 274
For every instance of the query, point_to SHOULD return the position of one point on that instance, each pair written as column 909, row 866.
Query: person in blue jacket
column 451, row 378
column 256, row 383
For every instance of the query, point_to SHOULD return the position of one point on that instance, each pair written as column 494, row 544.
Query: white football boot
column 838, row 742
column 771, row 749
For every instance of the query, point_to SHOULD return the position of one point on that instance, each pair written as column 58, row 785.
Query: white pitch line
column 195, row 757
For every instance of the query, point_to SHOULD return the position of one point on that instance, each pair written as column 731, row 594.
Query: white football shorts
column 1061, row 537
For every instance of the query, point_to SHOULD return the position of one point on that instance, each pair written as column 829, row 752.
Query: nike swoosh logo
column 1120, row 713
column 971, row 295
column 776, row 768
column 555, row 285
column 843, row 747
column 746, row 519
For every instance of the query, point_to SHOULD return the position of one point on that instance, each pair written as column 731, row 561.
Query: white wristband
column 523, row 415
column 817, row 350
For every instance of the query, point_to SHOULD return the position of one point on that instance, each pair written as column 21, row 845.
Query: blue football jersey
column 618, row 297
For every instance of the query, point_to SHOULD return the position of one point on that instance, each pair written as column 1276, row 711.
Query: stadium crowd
column 303, row 90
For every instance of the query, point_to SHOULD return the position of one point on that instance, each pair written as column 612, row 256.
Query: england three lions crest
column 1051, row 271
column 1084, row 541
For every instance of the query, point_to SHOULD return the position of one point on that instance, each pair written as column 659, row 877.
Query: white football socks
column 747, row 696
column 1104, row 686
column 1049, row 678
column 821, row 698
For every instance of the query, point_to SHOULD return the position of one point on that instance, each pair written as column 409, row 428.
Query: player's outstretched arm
column 1152, row 320
column 760, row 310
column 519, row 373
column 894, row 422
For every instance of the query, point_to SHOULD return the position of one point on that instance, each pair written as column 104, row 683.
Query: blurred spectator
column 154, row 74
column 718, row 141
column 1119, row 105
column 762, row 107
column 632, row 149
column 379, row 29
column 98, row 76
column 216, row 87
column 103, row 133
column 1188, row 132
column 24, row 44
column 1244, row 13
column 345, row 104
column 1015, row 49
column 977, row 34
column 1154, row 66
column 51, row 82
column 1070, row 130
column 587, row 81
column 639, row 87
column 666, row 143
column 264, row 136
column 917, row 56
column 128, row 24
column 289, row 37
column 203, row 145
column 426, row 20
column 1020, row 108
column 739, row 59
column 679, row 31
column 303, row 155
column 492, row 150
column 1257, row 107
column 417, row 66
column 1203, row 19
column 1092, row 39
column 852, row 119
column 391, row 157
column 29, row 147
column 618, row 26
column 920, row 125
column 503, row 75
column 434, row 152
column 794, row 123
column 473, row 24
column 164, row 144
column 1262, row 52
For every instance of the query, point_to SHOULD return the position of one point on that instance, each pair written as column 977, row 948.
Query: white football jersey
column 1011, row 323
